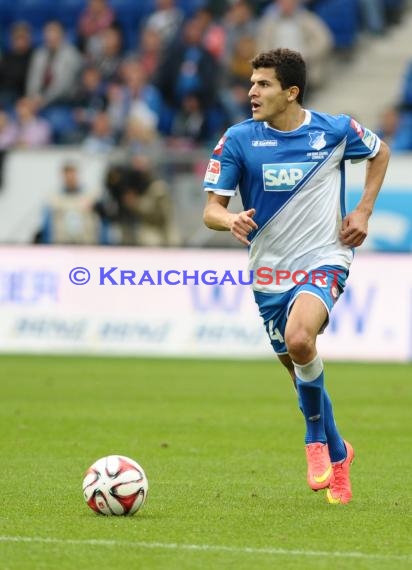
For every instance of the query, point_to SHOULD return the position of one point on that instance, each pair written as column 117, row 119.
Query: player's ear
column 293, row 93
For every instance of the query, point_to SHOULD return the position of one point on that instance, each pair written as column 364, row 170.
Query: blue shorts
column 274, row 308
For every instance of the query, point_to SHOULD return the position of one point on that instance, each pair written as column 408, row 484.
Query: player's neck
column 289, row 120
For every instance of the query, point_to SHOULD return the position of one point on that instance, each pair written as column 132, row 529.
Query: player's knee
column 299, row 344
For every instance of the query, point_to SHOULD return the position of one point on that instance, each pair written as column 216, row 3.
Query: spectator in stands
column 89, row 100
column 406, row 88
column 7, row 137
column 236, row 84
column 260, row 6
column 25, row 129
column 53, row 69
column 239, row 63
column 373, row 15
column 219, row 7
column 140, row 203
column 149, row 51
column 213, row 33
column 14, row 65
column 134, row 97
column 287, row 23
column 377, row 15
column 31, row 130
column 8, row 132
column 166, row 19
column 388, row 123
column 402, row 139
column 108, row 57
column 396, row 128
column 239, row 21
column 69, row 217
column 97, row 16
column 396, row 121
column 101, row 139
column 189, row 127
column 188, row 67
column 141, row 136
column 148, row 199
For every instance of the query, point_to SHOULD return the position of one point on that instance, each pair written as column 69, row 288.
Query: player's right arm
column 221, row 179
column 217, row 217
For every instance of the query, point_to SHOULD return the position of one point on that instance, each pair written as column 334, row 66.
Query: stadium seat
column 130, row 10
column 5, row 16
column 189, row 7
column 68, row 12
column 342, row 18
column 36, row 12
column 130, row 37
column 60, row 118
column 37, row 35
column 130, row 15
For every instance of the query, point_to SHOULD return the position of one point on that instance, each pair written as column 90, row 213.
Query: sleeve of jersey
column 223, row 171
column 361, row 143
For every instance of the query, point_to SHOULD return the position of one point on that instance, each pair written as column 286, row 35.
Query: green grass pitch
column 222, row 445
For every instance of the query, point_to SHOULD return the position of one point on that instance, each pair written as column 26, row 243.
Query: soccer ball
column 115, row 485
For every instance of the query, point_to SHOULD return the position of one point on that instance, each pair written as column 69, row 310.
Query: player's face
column 266, row 95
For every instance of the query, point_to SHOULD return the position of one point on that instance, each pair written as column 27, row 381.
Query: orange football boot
column 340, row 491
column 320, row 472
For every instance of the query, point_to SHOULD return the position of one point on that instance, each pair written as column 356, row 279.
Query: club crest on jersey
column 285, row 177
column 317, row 139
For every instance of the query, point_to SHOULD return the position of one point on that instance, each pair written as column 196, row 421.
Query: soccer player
column 288, row 163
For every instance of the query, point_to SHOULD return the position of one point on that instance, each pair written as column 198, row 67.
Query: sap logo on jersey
column 284, row 177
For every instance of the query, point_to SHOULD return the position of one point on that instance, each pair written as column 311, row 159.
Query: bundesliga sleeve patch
column 213, row 171
column 369, row 139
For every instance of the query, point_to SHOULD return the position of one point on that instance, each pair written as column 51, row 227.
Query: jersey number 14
column 274, row 333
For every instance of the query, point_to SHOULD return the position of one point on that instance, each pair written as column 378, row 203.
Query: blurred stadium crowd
column 151, row 75
column 108, row 72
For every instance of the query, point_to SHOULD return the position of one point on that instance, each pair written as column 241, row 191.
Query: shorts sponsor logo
column 285, row 177
column 213, row 171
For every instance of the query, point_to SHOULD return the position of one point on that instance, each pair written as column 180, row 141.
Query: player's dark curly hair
column 289, row 66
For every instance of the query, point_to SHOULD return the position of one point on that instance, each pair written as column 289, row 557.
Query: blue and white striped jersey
column 296, row 182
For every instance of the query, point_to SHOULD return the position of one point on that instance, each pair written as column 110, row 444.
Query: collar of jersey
column 308, row 117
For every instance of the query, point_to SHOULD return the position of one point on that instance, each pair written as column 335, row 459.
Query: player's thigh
column 307, row 316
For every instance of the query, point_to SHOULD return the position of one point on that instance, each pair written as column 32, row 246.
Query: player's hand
column 354, row 229
column 242, row 224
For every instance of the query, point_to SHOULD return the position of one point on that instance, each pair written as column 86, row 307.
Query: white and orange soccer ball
column 115, row 485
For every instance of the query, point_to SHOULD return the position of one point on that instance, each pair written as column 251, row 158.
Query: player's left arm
column 355, row 225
